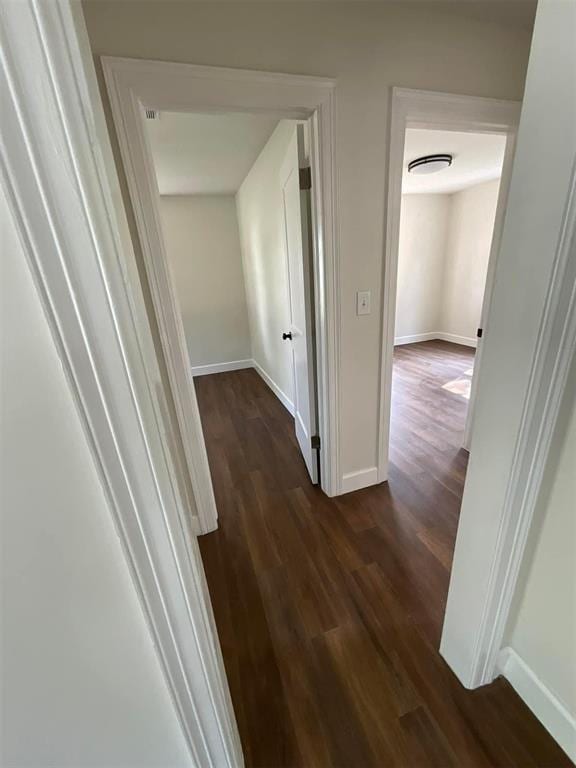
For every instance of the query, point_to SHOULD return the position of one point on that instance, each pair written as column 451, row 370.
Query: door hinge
column 305, row 178
column 315, row 441
column 479, row 333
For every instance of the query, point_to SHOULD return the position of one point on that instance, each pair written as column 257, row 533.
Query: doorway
column 235, row 211
column 450, row 191
column 411, row 109
column 421, row 118
column 168, row 87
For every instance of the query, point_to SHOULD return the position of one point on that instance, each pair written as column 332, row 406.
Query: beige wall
column 203, row 249
column 424, row 223
column 443, row 257
column 263, row 241
column 368, row 47
column 471, row 226
column 542, row 628
column 82, row 685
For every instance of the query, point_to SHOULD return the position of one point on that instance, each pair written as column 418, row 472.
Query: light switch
column 363, row 302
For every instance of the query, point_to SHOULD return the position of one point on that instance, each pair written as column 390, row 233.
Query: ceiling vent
column 152, row 114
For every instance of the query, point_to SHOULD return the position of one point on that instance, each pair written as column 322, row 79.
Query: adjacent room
column 450, row 192
column 235, row 227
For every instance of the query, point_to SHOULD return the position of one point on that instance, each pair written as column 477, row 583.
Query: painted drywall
column 196, row 154
column 368, row 47
column 470, row 230
column 540, row 187
column 443, row 255
column 203, row 251
column 542, row 629
column 424, row 223
column 81, row 682
column 263, row 244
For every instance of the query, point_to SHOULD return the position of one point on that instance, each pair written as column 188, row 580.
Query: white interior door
column 296, row 200
column 494, row 248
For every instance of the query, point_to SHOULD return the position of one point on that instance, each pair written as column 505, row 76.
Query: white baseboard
column 467, row 341
column 234, row 365
column 548, row 709
column 354, row 481
column 414, row 338
column 282, row 396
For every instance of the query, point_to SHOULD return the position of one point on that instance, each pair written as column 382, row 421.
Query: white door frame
column 442, row 111
column 133, row 84
column 57, row 170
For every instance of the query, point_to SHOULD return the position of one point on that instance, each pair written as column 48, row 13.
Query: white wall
column 263, row 242
column 203, row 249
column 81, row 682
column 542, row 629
column 443, row 257
column 368, row 48
column 421, row 254
column 470, row 231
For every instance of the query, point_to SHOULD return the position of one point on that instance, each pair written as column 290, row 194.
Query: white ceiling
column 198, row 154
column 477, row 157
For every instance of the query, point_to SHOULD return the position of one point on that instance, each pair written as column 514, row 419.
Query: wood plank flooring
column 329, row 611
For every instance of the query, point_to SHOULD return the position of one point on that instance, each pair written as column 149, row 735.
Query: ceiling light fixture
column 430, row 164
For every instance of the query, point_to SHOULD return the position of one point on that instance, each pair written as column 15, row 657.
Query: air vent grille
column 151, row 114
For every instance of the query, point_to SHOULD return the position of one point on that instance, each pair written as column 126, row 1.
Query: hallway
column 329, row 611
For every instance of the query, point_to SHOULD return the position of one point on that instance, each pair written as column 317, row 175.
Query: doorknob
column 287, row 336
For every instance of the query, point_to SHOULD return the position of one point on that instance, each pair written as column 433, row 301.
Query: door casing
column 440, row 111
column 165, row 86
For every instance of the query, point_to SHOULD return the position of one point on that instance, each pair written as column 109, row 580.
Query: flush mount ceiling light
column 430, row 164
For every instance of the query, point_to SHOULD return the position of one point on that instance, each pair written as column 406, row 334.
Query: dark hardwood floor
column 329, row 611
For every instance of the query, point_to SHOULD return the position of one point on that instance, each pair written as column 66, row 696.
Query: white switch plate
column 363, row 302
